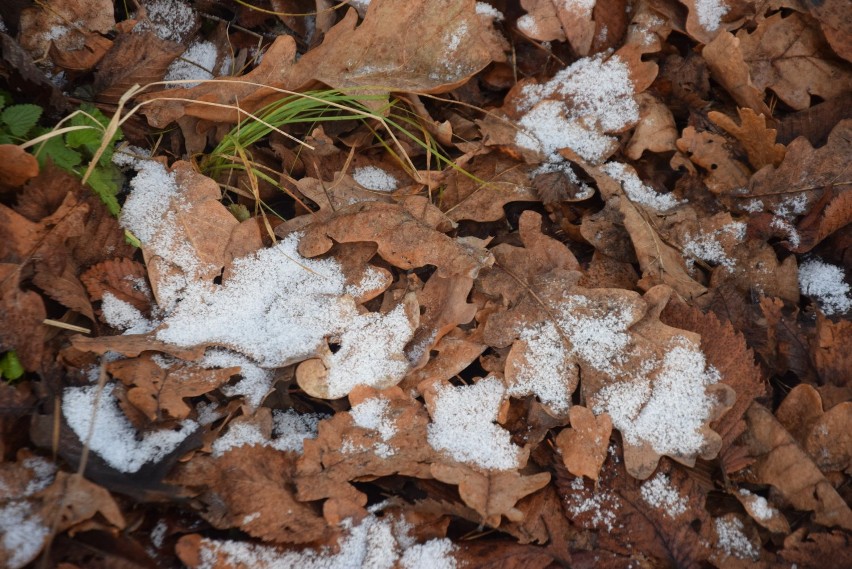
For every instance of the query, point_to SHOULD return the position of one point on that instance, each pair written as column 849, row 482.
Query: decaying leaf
column 18, row 166
column 757, row 140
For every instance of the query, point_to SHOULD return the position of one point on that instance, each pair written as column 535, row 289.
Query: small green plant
column 10, row 367
column 394, row 122
column 70, row 145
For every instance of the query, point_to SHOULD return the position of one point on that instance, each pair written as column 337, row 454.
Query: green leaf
column 89, row 140
column 60, row 154
column 239, row 211
column 21, row 118
column 106, row 182
column 10, row 366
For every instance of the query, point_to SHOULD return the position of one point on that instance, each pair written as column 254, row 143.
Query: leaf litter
column 567, row 289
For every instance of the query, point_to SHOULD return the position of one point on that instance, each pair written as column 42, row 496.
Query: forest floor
column 425, row 283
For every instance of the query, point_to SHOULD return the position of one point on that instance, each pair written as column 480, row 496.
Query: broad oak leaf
column 583, row 447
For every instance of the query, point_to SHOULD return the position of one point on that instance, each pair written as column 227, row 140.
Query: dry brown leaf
column 94, row 48
column 660, row 262
column 64, row 288
column 492, row 494
column 273, row 70
column 657, row 517
column 584, row 446
column 816, row 550
column 727, row 351
column 383, row 435
column 252, row 488
column 122, row 278
column 711, row 152
column 762, row 512
column 626, row 357
column 18, row 166
column 656, row 130
column 443, row 306
column 805, row 174
column 135, row 59
column 466, row 198
column 403, row 240
column 63, row 24
column 705, row 20
column 547, row 20
column 159, row 391
column 724, row 56
column 426, row 46
column 819, row 225
column 825, row 435
column 452, row 354
column 781, row 463
column 789, row 55
column 829, row 349
column 757, row 140
column 22, row 313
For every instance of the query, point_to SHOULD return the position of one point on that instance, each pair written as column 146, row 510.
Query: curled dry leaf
column 781, row 463
column 762, row 512
column 584, row 446
column 724, row 56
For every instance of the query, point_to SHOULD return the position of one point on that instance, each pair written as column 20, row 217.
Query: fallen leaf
column 656, row 131
column 122, row 278
column 251, row 487
column 136, row 58
column 804, row 486
column 823, row 434
column 18, row 166
column 711, row 152
column 584, row 446
column 762, row 512
column 726, row 60
column 757, row 140
column 64, row 25
column 493, row 494
column 403, row 240
column 815, row 550
column 159, row 391
column 22, row 313
column 788, row 54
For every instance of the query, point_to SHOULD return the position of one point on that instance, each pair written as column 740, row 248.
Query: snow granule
column 577, row 107
column 601, row 506
column 256, row 382
column 291, row 428
column 375, row 543
column 463, row 425
column 710, row 13
column 658, row 492
column 23, row 533
column 825, row 283
column 707, row 247
column 783, row 225
column 288, row 434
column 758, row 506
column 170, row 19
column 4, row 29
column 123, row 315
column 487, row 9
column 733, row 541
column 455, row 39
column 753, row 206
column 43, row 471
column 545, row 371
column 114, row 439
column 373, row 414
column 374, row 178
column 666, row 409
column 638, row 191
column 197, row 64
column 158, row 533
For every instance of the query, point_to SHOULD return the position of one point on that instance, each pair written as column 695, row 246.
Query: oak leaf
column 757, row 140
column 725, row 58
column 18, row 166
column 656, row 131
column 584, row 446
column 711, row 152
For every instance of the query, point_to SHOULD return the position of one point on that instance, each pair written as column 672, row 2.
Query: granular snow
column 197, row 63
column 638, row 191
column 825, row 282
column 658, row 492
column 463, row 425
column 733, row 541
column 710, row 13
column 23, row 533
column 374, row 178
